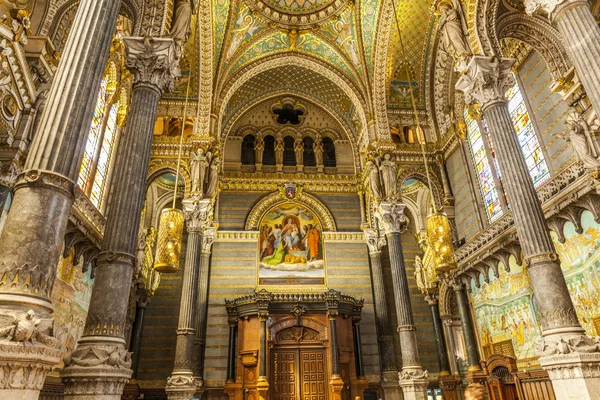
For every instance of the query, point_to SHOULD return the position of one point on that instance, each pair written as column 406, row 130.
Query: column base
column 390, row 385
column 199, row 386
column 97, row 370
column 181, row 386
column 414, row 382
column 574, row 375
column 449, row 385
column 262, row 387
column 24, row 368
column 336, row 384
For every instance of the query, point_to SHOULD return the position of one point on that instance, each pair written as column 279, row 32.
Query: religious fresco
column 71, row 298
column 290, row 247
column 505, row 307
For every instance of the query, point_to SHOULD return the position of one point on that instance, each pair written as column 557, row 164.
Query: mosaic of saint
column 291, row 247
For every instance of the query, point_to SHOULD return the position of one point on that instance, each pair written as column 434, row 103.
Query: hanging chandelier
column 439, row 231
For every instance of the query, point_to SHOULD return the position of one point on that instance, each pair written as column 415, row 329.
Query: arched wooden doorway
column 299, row 365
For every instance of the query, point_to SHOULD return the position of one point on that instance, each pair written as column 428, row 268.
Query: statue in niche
column 389, row 172
column 420, row 274
column 374, row 180
column 279, row 151
column 577, row 134
column 318, row 150
column 213, row 177
column 181, row 27
column 198, row 165
column 453, row 38
column 259, row 147
column 299, row 151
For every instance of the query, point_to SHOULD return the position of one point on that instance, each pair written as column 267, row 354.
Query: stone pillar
column 99, row 367
column 231, row 353
column 202, row 309
column 448, row 196
column 566, row 353
column 462, row 301
column 262, row 384
column 44, row 193
column 335, row 383
column 413, row 379
column 137, row 333
column 387, row 355
column 438, row 332
column 581, row 37
column 360, row 371
column 181, row 385
column 363, row 215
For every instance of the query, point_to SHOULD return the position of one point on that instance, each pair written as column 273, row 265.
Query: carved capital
column 548, row 7
column 47, row 179
column 392, row 218
column 197, row 213
column 25, row 367
column 208, row 238
column 486, row 80
column 431, row 299
column 153, row 61
column 374, row 240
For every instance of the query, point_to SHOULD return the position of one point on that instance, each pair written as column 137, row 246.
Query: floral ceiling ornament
column 302, row 14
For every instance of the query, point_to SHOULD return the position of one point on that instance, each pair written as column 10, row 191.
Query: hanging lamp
column 439, row 231
column 170, row 228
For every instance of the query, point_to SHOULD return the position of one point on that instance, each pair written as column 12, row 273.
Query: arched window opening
column 248, row 150
column 329, row 153
column 289, row 157
column 309, row 152
column 269, row 151
column 483, row 169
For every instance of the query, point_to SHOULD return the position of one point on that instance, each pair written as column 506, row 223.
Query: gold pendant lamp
column 439, row 231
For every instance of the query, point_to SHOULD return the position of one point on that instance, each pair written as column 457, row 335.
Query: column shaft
column 335, row 352
column 438, row 331
column 468, row 330
column 202, row 307
column 360, row 372
column 136, row 339
column 262, row 364
column 231, row 353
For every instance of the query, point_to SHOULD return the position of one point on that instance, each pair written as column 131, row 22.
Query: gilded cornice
column 246, row 181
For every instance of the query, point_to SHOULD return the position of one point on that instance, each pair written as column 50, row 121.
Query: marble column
column 100, row 365
column 566, row 353
column 262, row 384
column 581, row 37
column 387, row 356
column 182, row 384
column 44, row 193
column 473, row 358
column 360, row 370
column 137, row 332
column 438, row 331
column 208, row 238
column 231, row 351
column 336, row 384
column 413, row 379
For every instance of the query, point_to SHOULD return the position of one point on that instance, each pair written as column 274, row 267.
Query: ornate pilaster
column 208, row 238
column 485, row 82
column 389, row 372
column 581, row 37
column 33, row 236
column 413, row 379
column 99, row 367
column 182, row 382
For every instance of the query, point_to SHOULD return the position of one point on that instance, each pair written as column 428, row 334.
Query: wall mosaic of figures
column 507, row 321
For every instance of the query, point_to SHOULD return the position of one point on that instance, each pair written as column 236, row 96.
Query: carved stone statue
column 279, row 151
column 576, row 134
column 389, row 172
column 140, row 257
column 299, row 151
column 181, row 27
column 198, row 166
column 26, row 327
column 213, row 177
column 318, row 149
column 374, row 180
column 420, row 274
column 259, row 147
column 453, row 37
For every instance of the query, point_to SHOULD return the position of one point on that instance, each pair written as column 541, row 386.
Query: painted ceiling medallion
column 300, row 14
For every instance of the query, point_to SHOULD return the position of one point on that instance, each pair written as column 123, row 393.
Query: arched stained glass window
column 485, row 177
column 105, row 157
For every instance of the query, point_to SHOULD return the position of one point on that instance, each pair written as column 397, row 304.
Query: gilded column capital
column 392, row 218
column 486, row 80
column 197, row 213
column 153, row 61
column 374, row 240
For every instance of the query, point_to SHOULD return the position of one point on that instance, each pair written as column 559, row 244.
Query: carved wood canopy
column 263, row 301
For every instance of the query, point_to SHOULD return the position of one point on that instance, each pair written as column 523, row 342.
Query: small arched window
column 309, row 152
column 289, row 157
column 329, row 153
column 269, row 151
column 248, row 150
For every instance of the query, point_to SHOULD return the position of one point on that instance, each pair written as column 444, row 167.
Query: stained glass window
column 105, row 155
column 534, row 158
column 488, row 188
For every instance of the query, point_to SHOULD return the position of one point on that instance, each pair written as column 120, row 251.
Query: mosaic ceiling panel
column 220, row 13
column 369, row 11
column 416, row 23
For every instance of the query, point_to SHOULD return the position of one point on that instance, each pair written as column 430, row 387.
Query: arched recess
column 420, row 175
column 540, row 35
column 159, row 167
column 234, row 83
column 279, row 197
column 307, row 322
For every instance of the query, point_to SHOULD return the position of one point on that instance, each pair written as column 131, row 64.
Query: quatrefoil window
column 288, row 111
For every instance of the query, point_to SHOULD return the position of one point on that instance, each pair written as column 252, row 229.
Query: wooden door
column 285, row 375
column 314, row 386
